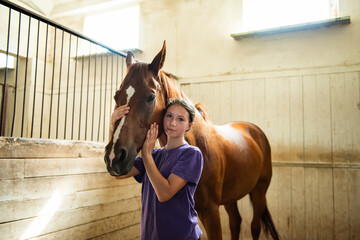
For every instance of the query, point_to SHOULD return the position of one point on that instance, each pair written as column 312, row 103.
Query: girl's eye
column 168, row 115
column 181, row 119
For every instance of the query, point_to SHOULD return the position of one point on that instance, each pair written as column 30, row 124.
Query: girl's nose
column 173, row 122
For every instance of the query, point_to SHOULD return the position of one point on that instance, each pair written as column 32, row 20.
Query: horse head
column 144, row 91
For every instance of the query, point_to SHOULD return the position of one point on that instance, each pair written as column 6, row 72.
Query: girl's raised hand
column 118, row 113
column 150, row 140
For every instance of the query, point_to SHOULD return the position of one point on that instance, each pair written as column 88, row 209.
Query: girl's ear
column 190, row 125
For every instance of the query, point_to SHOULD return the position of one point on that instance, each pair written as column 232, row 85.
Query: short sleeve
column 190, row 165
column 139, row 165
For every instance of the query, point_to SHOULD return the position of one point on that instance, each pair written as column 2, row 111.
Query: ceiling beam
column 44, row 7
column 91, row 6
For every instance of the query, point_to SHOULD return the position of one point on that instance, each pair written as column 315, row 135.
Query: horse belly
column 242, row 173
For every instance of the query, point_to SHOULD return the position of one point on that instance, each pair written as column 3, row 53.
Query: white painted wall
column 199, row 42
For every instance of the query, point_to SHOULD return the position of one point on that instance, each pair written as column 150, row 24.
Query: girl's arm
column 133, row 172
column 164, row 188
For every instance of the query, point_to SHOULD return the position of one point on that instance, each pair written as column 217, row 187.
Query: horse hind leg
column 261, row 214
column 234, row 220
column 258, row 207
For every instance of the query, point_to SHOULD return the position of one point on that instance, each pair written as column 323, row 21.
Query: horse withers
column 237, row 155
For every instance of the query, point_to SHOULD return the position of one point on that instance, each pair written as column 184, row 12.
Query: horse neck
column 201, row 132
column 170, row 89
column 202, row 125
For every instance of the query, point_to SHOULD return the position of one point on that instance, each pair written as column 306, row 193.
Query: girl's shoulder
column 193, row 148
column 155, row 151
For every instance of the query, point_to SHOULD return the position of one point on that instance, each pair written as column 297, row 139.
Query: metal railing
column 54, row 82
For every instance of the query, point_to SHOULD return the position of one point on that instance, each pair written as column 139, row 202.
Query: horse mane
column 201, row 108
column 173, row 91
column 168, row 84
column 172, row 76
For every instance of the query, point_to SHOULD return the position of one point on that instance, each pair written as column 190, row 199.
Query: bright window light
column 262, row 14
column 117, row 29
column 44, row 216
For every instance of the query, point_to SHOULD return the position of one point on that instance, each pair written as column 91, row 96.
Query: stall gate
column 54, row 83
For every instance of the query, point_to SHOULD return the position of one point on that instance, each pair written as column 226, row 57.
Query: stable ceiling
column 61, row 8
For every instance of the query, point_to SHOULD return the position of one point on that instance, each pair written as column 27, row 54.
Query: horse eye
column 150, row 98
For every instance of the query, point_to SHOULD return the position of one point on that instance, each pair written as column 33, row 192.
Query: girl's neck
column 174, row 143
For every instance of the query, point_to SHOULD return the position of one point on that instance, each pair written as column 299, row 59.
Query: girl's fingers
column 118, row 113
column 155, row 130
column 152, row 132
column 121, row 111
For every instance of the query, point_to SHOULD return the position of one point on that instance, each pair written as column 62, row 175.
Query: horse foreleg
column 234, row 219
column 210, row 218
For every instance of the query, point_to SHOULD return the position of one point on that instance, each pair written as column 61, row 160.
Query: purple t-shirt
column 175, row 218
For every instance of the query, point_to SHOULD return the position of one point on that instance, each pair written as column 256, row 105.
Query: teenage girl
column 169, row 176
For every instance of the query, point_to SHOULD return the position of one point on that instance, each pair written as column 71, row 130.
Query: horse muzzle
column 119, row 162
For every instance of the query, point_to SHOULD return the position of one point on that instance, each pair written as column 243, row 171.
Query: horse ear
column 158, row 62
column 130, row 59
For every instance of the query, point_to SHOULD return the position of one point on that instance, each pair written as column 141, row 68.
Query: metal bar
column 35, row 80
column 87, row 95
column 73, row 109
column 81, row 93
column 111, row 82
column 107, row 57
column 56, row 25
column 4, row 96
column 117, row 73
column 16, row 76
column 93, row 108
column 43, row 92
column 58, row 107
column 122, row 71
column 101, row 76
column 52, row 84
column 26, row 73
column 6, row 87
column 67, row 88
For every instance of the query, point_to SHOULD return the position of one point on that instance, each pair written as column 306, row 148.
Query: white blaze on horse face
column 129, row 92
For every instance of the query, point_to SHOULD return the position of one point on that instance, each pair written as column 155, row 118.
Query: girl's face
column 176, row 121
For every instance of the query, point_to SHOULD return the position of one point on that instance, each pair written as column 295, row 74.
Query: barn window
column 262, row 14
column 282, row 15
column 117, row 29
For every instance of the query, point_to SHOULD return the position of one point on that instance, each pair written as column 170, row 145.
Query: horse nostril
column 118, row 161
column 123, row 154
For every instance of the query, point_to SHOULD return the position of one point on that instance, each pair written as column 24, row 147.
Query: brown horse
column 237, row 158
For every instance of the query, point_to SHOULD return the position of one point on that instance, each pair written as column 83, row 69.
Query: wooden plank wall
column 51, row 189
column 312, row 120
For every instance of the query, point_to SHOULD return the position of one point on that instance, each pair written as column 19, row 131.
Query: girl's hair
column 185, row 103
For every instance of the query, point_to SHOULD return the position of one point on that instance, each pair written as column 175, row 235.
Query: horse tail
column 268, row 224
